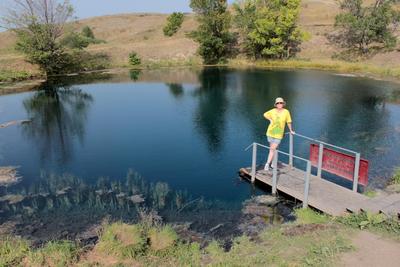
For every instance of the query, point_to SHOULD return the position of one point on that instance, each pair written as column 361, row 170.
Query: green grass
column 12, row 251
column 396, row 176
column 378, row 223
column 330, row 65
column 13, row 76
column 308, row 216
column 59, row 253
column 370, row 193
column 122, row 240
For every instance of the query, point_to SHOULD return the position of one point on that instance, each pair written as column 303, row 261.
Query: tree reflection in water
column 212, row 105
column 58, row 114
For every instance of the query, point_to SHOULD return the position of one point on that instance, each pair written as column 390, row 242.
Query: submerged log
column 10, row 123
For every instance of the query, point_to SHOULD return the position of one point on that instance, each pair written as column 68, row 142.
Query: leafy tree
column 361, row 26
column 81, row 40
column 213, row 31
column 39, row 26
column 87, row 32
column 269, row 28
column 174, row 23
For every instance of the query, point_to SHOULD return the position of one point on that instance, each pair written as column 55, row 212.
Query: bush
column 162, row 239
column 88, row 33
column 79, row 60
column 174, row 23
column 75, row 41
column 122, row 240
column 134, row 59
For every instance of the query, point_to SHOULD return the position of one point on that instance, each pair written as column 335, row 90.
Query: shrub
column 162, row 239
column 134, row 59
column 122, row 240
column 87, row 32
column 174, row 23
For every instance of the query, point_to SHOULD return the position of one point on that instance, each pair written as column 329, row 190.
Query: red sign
column 339, row 164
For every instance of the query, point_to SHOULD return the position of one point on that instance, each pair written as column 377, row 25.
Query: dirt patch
column 372, row 250
column 305, row 228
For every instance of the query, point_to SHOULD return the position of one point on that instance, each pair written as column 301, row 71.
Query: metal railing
column 308, row 162
column 275, row 170
column 321, row 145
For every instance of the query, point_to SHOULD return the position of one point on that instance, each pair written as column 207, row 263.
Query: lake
column 181, row 133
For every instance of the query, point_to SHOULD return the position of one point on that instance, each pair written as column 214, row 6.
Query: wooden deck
column 325, row 196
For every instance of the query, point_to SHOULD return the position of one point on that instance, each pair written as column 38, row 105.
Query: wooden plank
column 393, row 209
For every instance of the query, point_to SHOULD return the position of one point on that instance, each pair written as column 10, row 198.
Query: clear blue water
column 189, row 128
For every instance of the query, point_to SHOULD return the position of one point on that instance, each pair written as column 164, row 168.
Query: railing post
column 307, row 184
column 275, row 172
column 320, row 155
column 356, row 172
column 291, row 150
column 254, row 163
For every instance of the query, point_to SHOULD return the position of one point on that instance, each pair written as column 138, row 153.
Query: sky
column 90, row 8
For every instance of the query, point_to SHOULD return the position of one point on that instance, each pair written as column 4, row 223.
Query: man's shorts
column 274, row 140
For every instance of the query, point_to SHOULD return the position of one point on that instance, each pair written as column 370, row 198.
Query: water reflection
column 134, row 74
column 176, row 89
column 68, row 192
column 212, row 105
column 58, row 114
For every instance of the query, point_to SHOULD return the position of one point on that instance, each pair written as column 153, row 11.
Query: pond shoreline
column 335, row 67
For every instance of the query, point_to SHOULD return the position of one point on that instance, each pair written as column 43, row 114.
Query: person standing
column 278, row 118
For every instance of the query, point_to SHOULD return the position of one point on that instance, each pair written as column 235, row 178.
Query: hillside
column 143, row 33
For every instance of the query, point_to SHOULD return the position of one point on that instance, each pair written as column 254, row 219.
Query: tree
column 80, row 40
column 174, row 22
column 212, row 33
column 361, row 26
column 39, row 24
column 87, row 32
column 269, row 28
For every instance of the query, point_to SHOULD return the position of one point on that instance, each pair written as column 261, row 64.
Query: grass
column 12, row 251
column 396, row 176
column 14, row 76
column 60, row 253
column 308, row 216
column 370, row 193
column 378, row 223
column 330, row 65
column 139, row 245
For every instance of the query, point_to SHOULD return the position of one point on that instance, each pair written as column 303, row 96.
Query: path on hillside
column 372, row 250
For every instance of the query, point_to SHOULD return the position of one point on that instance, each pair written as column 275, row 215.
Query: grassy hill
column 142, row 33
